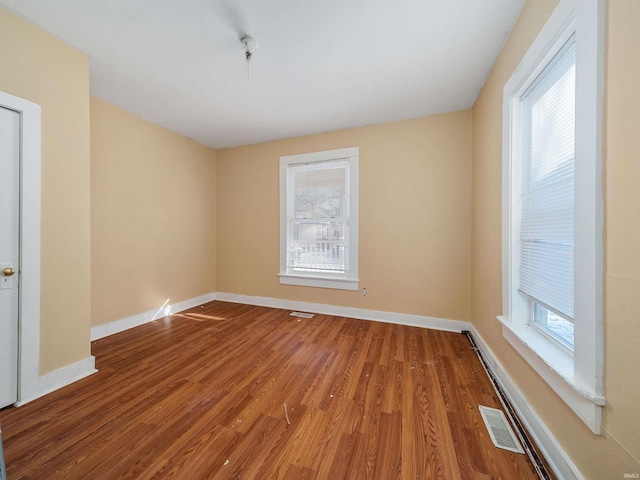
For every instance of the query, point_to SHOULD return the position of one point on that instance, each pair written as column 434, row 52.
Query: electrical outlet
column 364, row 291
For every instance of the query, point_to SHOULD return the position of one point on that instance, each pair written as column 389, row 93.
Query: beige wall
column 622, row 227
column 414, row 217
column 36, row 66
column 153, row 215
column 616, row 451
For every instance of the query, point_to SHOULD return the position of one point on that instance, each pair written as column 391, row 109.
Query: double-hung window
column 547, row 202
column 319, row 219
column 552, row 207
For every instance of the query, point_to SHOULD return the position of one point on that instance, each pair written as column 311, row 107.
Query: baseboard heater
column 529, row 447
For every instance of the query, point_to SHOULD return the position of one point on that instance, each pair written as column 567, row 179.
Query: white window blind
column 548, row 185
column 318, row 223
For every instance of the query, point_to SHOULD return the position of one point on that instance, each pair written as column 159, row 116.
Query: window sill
column 555, row 366
column 319, row 282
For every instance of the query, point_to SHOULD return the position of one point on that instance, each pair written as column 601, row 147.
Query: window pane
column 318, row 246
column 318, row 228
column 320, row 193
column 555, row 325
column 548, row 185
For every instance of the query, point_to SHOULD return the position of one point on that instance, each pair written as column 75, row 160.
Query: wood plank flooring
column 202, row 395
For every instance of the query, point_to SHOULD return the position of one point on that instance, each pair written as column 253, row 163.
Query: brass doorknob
column 7, row 272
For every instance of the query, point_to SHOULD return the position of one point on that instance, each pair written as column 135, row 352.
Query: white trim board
column 359, row 313
column 61, row 378
column 106, row 329
column 551, row 450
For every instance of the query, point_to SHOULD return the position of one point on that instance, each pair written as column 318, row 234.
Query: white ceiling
column 320, row 65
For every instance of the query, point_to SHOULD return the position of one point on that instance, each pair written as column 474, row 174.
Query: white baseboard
column 360, row 313
column 62, row 377
column 106, row 329
column 553, row 453
column 71, row 373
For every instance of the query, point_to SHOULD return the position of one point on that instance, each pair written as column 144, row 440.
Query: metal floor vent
column 500, row 430
column 301, row 314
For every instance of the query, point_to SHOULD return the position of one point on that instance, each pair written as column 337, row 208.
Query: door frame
column 29, row 232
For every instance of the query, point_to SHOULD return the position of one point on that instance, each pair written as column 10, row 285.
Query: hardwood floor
column 202, row 394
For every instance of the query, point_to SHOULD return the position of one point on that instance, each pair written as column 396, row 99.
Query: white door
column 9, row 254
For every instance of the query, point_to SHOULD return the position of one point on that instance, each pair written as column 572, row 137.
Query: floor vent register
column 301, row 314
column 499, row 429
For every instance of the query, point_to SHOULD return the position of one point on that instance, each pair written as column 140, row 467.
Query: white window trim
column 576, row 379
column 350, row 282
